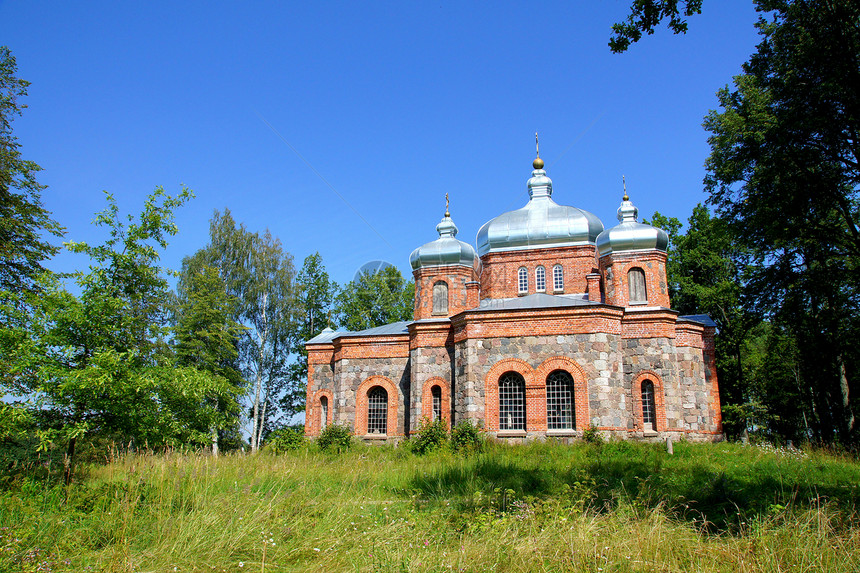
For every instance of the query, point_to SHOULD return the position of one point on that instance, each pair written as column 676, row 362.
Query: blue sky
column 394, row 104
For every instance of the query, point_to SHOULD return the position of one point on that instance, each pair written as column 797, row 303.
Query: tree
column 260, row 275
column 783, row 171
column 23, row 218
column 97, row 362
column 707, row 271
column 206, row 338
column 645, row 15
column 315, row 293
column 375, row 299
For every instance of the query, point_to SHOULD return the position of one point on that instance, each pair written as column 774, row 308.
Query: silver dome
column 541, row 223
column 446, row 250
column 629, row 234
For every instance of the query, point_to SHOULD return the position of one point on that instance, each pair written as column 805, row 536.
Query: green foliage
column 466, row 437
column 285, row 440
column 259, row 274
column 375, row 299
column 707, row 272
column 23, row 219
column 783, row 174
column 335, row 438
column 98, row 362
column 591, row 435
column 432, row 435
column 645, row 15
column 315, row 293
column 536, row 507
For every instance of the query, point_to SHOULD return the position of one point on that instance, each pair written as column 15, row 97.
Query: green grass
column 619, row 506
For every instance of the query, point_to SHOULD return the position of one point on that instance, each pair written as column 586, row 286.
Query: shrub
column 592, row 435
column 466, row 437
column 431, row 436
column 285, row 440
column 335, row 438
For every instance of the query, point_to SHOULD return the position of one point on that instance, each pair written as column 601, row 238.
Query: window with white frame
column 512, row 402
column 436, row 393
column 377, row 411
column 558, row 278
column 523, row 280
column 540, row 279
column 560, row 413
column 649, row 411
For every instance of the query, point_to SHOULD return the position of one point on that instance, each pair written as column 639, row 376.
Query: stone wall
column 349, row 374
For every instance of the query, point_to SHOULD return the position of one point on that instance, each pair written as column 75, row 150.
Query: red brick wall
column 652, row 262
column 689, row 334
column 649, row 324
column 427, row 399
column 499, row 277
column 535, row 391
column 711, row 377
column 659, row 401
column 457, row 278
column 361, row 405
column 567, row 320
column 372, row 347
column 313, row 412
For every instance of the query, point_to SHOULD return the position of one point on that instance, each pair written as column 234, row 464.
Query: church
column 551, row 326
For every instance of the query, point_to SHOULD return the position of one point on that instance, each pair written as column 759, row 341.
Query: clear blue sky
column 394, row 103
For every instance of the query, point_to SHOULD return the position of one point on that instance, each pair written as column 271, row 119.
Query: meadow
column 595, row 507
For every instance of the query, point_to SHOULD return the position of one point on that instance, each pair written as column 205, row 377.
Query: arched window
column 636, row 285
column 558, row 277
column 523, row 280
column 649, row 411
column 377, row 411
column 436, row 394
column 560, row 413
column 540, row 279
column 323, row 412
column 512, row 402
column 440, row 298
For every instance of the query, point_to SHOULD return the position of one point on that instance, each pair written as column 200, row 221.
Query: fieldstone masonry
column 626, row 358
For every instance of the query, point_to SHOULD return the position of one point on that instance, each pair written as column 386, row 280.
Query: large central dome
column 541, row 223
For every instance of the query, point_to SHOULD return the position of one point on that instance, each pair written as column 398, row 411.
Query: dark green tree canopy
column 783, row 172
column 375, row 299
column 645, row 15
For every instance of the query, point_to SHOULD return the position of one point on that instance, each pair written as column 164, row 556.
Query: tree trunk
column 846, row 402
column 214, row 442
column 262, row 420
column 69, row 461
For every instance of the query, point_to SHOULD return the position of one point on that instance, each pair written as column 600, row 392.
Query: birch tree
column 260, row 275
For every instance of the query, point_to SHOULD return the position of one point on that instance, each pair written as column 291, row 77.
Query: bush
column 285, row 440
column 335, row 438
column 466, row 437
column 592, row 435
column 431, row 436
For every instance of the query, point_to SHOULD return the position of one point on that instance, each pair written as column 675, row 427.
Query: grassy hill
column 618, row 506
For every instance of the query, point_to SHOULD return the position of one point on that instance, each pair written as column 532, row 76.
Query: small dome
column 541, row 223
column 629, row 234
column 446, row 250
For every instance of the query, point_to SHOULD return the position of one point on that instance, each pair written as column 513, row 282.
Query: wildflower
column 316, row 549
column 241, row 563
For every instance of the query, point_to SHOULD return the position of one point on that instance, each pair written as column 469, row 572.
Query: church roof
column 446, row 250
column 533, row 301
column 630, row 234
column 541, row 223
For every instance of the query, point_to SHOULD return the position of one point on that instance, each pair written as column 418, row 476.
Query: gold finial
column 538, row 162
column 624, row 182
column 447, row 214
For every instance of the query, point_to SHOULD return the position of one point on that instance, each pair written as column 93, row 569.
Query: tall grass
column 623, row 507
